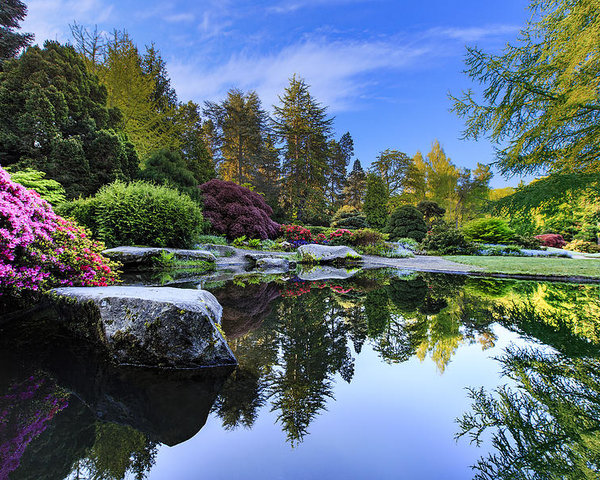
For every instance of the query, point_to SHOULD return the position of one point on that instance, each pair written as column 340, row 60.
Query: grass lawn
column 561, row 267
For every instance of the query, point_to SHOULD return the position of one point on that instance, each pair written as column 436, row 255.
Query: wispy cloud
column 335, row 71
column 49, row 19
column 180, row 17
column 473, row 34
column 290, row 6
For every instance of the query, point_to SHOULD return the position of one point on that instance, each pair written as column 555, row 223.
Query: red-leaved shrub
column 551, row 240
column 235, row 211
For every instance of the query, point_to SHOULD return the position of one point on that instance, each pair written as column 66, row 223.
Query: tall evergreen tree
column 376, row 201
column 241, row 126
column 193, row 147
column 303, row 127
column 12, row 12
column 340, row 153
column 356, row 186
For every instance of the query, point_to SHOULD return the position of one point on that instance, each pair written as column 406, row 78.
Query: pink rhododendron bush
column 236, row 211
column 40, row 250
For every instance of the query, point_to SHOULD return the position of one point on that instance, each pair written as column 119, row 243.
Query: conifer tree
column 240, row 129
column 12, row 12
column 303, row 127
column 340, row 153
column 376, row 201
column 356, row 186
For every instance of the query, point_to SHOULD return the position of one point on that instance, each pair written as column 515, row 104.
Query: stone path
column 422, row 263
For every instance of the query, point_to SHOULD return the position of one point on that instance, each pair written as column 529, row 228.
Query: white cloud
column 472, row 34
column 49, row 19
column 180, row 17
column 290, row 6
column 334, row 70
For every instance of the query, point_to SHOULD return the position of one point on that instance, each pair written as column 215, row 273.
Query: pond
column 386, row 375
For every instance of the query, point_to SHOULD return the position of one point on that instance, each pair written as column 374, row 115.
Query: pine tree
column 240, row 128
column 376, row 200
column 12, row 12
column 340, row 153
column 303, row 127
column 356, row 186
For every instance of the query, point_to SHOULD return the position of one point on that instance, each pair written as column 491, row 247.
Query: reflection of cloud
column 334, row 70
column 49, row 19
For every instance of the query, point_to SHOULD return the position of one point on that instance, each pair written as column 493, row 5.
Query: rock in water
column 325, row 254
column 145, row 257
column 150, row 326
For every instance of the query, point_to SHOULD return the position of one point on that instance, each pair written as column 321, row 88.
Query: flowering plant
column 40, row 250
column 296, row 233
column 340, row 237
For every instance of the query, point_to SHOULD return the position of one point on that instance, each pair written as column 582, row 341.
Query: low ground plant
column 212, row 239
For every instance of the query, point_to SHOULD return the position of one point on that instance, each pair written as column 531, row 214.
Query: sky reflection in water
column 365, row 378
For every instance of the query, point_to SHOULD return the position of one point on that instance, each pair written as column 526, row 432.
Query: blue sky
column 384, row 67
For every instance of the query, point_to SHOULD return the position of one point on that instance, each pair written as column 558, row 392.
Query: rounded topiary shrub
column 349, row 217
column 236, row 211
column 406, row 222
column 140, row 213
column 444, row 239
column 489, row 230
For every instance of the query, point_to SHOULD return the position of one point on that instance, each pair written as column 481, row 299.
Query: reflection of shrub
column 582, row 246
column 446, row 240
column 433, row 305
column 408, row 222
column 489, row 230
column 551, row 240
column 377, row 312
column 139, row 213
column 234, row 211
column 407, row 295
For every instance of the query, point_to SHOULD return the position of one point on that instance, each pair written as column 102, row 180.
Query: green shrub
column 526, row 241
column 347, row 217
column 376, row 200
column 240, row 241
column 50, row 190
column 254, row 243
column 406, row 222
column 140, row 213
column 212, row 239
column 447, row 240
column 316, row 229
column 410, row 243
column 489, row 230
column 582, row 246
column 367, row 236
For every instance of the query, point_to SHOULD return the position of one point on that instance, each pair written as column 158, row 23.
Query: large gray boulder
column 150, row 326
column 220, row 250
column 146, row 257
column 325, row 254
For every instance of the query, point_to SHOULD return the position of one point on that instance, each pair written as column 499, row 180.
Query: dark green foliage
column 489, row 230
column 406, row 222
column 446, row 240
column 525, row 241
column 366, row 237
column 193, row 148
column 376, row 199
column 12, row 12
column 356, row 185
column 139, row 214
column 349, row 219
column 430, row 210
column 407, row 295
column 54, row 118
column 165, row 167
column 377, row 312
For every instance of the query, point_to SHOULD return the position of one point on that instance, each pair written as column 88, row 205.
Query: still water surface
column 362, row 378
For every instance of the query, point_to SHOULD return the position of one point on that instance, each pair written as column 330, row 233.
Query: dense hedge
column 406, row 222
column 236, row 211
column 444, row 239
column 139, row 213
column 489, row 230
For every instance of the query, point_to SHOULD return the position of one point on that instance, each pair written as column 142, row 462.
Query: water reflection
column 296, row 340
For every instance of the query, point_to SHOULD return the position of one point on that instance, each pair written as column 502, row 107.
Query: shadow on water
column 294, row 340
column 63, row 407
